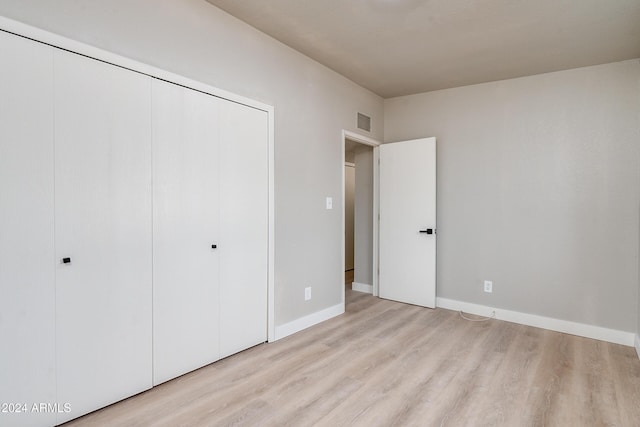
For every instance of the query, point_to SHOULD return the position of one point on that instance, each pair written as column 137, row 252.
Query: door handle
column 66, row 260
column 214, row 246
column 428, row 231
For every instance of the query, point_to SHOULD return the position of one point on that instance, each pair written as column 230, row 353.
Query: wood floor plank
column 384, row 363
column 625, row 374
column 505, row 398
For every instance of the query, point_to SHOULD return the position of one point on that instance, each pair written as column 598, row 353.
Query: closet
column 186, row 227
column 102, row 232
column 27, row 257
column 244, row 228
column 210, row 228
column 133, row 231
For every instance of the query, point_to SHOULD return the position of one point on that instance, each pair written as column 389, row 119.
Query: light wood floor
column 388, row 364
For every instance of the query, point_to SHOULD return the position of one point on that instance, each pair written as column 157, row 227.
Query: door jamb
column 362, row 139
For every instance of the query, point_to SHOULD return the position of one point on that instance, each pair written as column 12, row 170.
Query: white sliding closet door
column 103, row 226
column 244, row 227
column 27, row 287
column 185, row 227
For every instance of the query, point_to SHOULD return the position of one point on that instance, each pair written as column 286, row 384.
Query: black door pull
column 214, row 246
column 66, row 260
column 428, row 231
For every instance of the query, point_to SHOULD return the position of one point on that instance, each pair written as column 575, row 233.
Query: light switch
column 329, row 202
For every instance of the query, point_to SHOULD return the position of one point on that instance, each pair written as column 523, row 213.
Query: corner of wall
column 638, row 344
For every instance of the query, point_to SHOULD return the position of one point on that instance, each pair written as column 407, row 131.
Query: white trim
column 343, row 219
column 362, row 287
column 362, row 139
column 376, row 222
column 638, row 345
column 308, row 321
column 271, row 275
column 56, row 41
column 565, row 326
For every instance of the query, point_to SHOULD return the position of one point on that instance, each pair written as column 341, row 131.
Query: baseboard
column 362, row 287
column 308, row 321
column 565, row 326
column 638, row 345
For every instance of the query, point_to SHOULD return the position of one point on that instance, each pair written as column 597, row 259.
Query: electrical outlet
column 488, row 286
column 307, row 293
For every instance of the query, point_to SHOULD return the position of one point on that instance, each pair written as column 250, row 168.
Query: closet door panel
column 244, row 227
column 27, row 287
column 186, row 205
column 103, row 225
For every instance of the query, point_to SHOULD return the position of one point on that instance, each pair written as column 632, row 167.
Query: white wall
column 363, row 273
column 349, row 201
column 538, row 190
column 312, row 106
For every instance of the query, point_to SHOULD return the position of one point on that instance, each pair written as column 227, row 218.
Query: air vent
column 364, row 122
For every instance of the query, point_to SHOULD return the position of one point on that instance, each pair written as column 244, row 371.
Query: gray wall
column 364, row 216
column 312, row 105
column 538, row 190
column 349, row 219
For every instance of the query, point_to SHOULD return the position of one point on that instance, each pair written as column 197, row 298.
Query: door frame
column 365, row 140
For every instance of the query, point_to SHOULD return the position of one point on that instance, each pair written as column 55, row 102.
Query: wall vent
column 364, row 122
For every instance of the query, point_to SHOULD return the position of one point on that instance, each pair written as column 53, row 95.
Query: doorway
column 417, row 173
column 349, row 214
column 360, row 228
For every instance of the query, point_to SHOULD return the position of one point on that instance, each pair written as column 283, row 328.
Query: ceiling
column 401, row 47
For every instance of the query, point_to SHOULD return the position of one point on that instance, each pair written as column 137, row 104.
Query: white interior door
column 185, row 227
column 27, row 286
column 103, row 226
column 407, row 245
column 243, row 246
